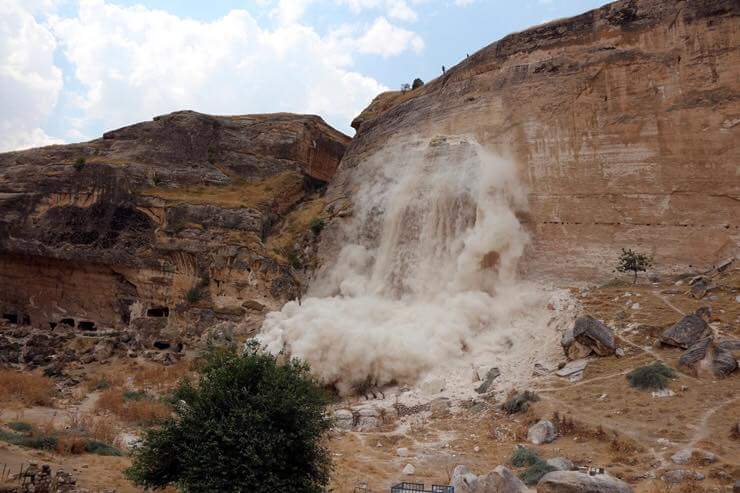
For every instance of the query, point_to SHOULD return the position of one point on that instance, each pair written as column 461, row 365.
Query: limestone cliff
column 177, row 222
column 624, row 122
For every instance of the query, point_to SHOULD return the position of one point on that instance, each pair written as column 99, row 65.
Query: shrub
column 317, row 225
column 634, row 262
column 79, row 163
column 534, row 473
column 136, row 409
column 29, row 388
column 137, row 395
column 523, row 456
column 20, row 426
column 417, row 83
column 250, row 424
column 194, row 295
column 43, row 442
column 100, row 448
column 654, row 376
column 519, row 402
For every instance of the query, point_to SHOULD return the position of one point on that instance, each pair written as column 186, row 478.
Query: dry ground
column 610, row 424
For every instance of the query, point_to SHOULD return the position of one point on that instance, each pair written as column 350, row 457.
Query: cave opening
column 161, row 345
column 69, row 322
column 158, row 312
column 52, row 325
column 86, row 325
column 10, row 318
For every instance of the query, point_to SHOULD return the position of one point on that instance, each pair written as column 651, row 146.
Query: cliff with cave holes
column 173, row 223
column 624, row 122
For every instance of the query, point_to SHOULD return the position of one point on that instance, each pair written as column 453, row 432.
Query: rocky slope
column 624, row 122
column 177, row 222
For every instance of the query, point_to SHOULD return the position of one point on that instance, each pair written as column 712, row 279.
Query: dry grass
column 159, row 377
column 105, row 381
column 260, row 194
column 102, row 428
column 566, row 425
column 296, row 224
column 27, row 388
column 141, row 412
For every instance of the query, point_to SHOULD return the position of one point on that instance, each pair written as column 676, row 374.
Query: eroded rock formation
column 169, row 224
column 624, row 122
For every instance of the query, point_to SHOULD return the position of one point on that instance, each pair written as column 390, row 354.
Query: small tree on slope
column 249, row 424
column 630, row 261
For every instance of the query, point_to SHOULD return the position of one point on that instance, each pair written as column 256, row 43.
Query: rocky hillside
column 624, row 122
column 180, row 221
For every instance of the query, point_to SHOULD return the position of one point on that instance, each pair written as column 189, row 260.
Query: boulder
column 500, row 480
column 409, row 470
column 343, row 419
column 491, row 375
column 103, row 350
column 541, row 432
column 592, row 336
column 463, row 480
column 682, row 456
column 689, row 330
column 368, row 419
column 578, row 482
column 440, row 407
column 560, row 463
column 710, row 358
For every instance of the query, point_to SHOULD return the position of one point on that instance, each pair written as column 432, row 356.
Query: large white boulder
column 578, row 482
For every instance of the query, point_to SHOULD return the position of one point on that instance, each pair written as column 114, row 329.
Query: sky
column 72, row 69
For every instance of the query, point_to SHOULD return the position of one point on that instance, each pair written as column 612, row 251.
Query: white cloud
column 29, row 79
column 383, row 38
column 135, row 62
column 395, row 9
column 463, row 3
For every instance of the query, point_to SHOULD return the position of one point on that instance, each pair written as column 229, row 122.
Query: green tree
column 417, row 83
column 250, row 424
column 630, row 261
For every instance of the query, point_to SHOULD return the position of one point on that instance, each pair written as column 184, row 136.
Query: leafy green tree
column 630, row 261
column 249, row 424
column 417, row 83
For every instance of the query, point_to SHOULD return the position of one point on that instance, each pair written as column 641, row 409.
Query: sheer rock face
column 624, row 122
column 124, row 227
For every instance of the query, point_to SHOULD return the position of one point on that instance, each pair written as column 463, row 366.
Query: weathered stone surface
column 560, row 463
column 541, row 432
column 180, row 219
column 500, row 480
column 491, row 375
column 463, row 480
column 578, row 482
column 594, row 335
column 614, row 118
column 343, row 419
column 687, row 331
column 707, row 358
column 676, row 476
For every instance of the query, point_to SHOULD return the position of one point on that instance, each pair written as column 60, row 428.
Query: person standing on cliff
column 443, row 69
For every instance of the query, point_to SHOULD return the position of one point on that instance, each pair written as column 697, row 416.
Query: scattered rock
column 368, row 418
column 573, row 370
column 560, row 463
column 463, row 480
column 402, row 452
column 343, row 419
column 706, row 357
column 689, row 330
column 541, row 432
column 676, row 476
column 578, row 482
column 440, row 407
column 500, row 480
column 409, row 470
column 663, row 393
column 491, row 375
column 682, row 456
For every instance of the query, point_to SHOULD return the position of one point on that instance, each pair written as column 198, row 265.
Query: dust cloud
column 426, row 287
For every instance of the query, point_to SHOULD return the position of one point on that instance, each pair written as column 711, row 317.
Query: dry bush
column 160, row 377
column 70, row 444
column 28, row 388
column 141, row 411
column 105, row 381
column 101, row 428
column 566, row 425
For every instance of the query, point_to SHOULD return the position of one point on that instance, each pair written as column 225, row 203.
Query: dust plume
column 427, row 285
